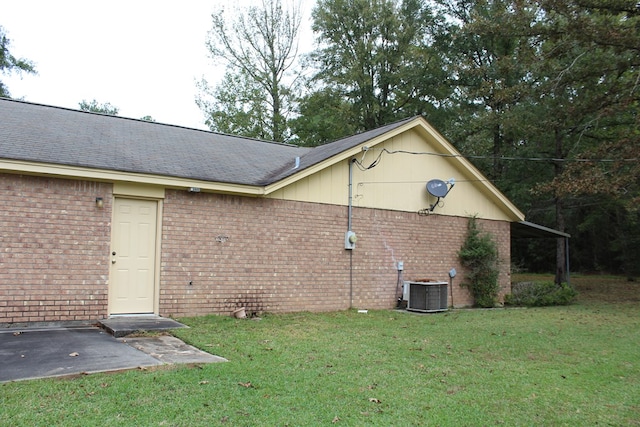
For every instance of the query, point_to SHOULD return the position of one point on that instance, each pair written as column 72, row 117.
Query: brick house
column 104, row 215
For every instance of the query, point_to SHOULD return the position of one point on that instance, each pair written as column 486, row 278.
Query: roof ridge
column 379, row 130
column 391, row 124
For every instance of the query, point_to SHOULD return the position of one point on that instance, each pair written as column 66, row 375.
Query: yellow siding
column 398, row 182
column 330, row 185
column 138, row 190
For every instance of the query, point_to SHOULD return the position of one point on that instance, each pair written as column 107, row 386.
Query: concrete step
column 120, row 326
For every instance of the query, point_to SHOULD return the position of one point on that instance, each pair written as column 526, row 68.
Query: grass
column 576, row 365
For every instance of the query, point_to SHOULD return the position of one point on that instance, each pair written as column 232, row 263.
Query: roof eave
column 526, row 230
column 73, row 172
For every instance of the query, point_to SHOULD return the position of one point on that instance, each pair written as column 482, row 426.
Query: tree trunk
column 561, row 273
column 561, row 250
column 276, row 131
column 497, row 152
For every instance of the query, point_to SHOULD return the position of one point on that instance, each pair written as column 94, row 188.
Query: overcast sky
column 142, row 56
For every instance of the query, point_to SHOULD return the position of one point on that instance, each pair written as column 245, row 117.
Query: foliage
column 259, row 47
column 553, row 87
column 592, row 52
column 486, row 68
column 374, row 57
column 608, row 234
column 479, row 256
column 317, row 123
column 9, row 63
column 96, row 107
column 574, row 365
column 540, row 294
column 236, row 106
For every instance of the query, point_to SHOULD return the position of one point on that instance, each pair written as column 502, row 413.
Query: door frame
column 139, row 192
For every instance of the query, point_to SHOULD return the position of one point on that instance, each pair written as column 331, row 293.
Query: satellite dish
column 437, row 188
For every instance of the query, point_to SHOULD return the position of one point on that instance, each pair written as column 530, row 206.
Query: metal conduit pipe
column 349, row 230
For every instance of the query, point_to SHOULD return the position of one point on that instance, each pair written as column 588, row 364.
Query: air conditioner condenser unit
column 426, row 297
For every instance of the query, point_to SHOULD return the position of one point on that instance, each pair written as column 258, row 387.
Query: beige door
column 133, row 257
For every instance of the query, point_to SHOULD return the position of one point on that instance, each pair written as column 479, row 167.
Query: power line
column 509, row 158
column 361, row 183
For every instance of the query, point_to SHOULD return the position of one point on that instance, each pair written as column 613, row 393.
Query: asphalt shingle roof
column 54, row 135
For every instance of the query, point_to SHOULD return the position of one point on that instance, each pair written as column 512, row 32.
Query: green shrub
column 539, row 294
column 479, row 256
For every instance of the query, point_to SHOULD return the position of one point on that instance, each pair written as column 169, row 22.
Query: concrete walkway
column 50, row 352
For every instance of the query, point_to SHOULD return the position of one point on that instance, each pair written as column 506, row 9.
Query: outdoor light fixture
column 99, row 203
column 194, row 189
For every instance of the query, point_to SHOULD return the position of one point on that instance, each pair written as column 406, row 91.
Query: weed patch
column 540, row 294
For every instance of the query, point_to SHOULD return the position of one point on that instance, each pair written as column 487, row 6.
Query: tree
column 95, row 107
column 325, row 115
column 376, row 57
column 236, row 106
column 9, row 63
column 485, row 66
column 496, row 108
column 260, row 49
column 572, row 112
column 589, row 95
column 593, row 64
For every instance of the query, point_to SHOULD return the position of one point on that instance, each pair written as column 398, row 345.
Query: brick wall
column 427, row 246
column 54, row 246
column 261, row 253
column 221, row 252
column 218, row 252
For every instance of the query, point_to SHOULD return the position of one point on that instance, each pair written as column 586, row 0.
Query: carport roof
column 528, row 230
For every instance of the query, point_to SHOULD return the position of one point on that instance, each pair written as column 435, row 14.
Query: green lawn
column 577, row 365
